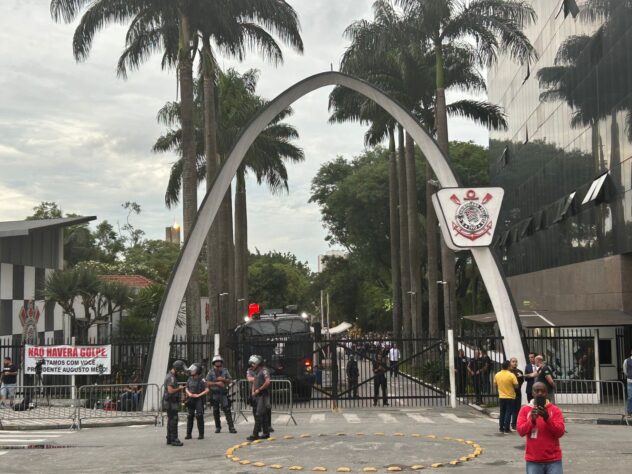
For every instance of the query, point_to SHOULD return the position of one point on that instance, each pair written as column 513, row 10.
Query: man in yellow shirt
column 507, row 383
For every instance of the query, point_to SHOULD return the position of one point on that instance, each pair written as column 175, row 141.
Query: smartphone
column 540, row 402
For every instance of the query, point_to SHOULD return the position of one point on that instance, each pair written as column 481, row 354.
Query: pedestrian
column 461, row 369
column 485, row 367
column 627, row 372
column 8, row 383
column 379, row 380
column 218, row 380
column 542, row 424
column 394, row 356
column 475, row 373
column 171, row 400
column 530, row 373
column 545, row 375
column 506, row 382
column 261, row 397
column 518, row 400
column 195, row 391
column 353, row 374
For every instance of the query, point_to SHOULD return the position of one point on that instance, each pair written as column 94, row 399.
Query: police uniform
column 195, row 406
column 172, row 405
column 250, row 373
column 261, row 402
column 219, row 398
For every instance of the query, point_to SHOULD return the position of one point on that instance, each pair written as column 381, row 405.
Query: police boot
column 269, row 421
column 256, row 429
column 229, row 422
column 200, row 427
column 218, row 421
column 189, row 427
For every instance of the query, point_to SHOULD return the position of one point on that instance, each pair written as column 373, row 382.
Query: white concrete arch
column 490, row 270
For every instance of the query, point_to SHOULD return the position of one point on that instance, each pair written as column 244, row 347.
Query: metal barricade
column 39, row 405
column 591, row 397
column 118, row 401
column 281, row 399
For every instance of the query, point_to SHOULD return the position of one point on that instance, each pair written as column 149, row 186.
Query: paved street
column 357, row 440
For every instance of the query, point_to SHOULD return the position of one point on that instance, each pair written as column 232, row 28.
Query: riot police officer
column 217, row 380
column 171, row 399
column 261, row 397
column 196, row 391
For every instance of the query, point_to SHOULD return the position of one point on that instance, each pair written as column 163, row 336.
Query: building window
column 605, row 352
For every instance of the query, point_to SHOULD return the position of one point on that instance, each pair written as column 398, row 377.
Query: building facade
column 565, row 163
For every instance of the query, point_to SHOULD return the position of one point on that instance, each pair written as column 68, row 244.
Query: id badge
column 534, row 433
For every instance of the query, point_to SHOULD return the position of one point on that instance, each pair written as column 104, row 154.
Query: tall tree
column 495, row 25
column 237, row 104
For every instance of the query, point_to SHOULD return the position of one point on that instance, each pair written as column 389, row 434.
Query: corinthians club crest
column 29, row 316
column 468, row 215
column 472, row 219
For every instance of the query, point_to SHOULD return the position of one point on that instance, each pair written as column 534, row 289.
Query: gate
column 345, row 374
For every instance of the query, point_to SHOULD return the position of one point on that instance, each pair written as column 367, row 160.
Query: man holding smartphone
column 542, row 423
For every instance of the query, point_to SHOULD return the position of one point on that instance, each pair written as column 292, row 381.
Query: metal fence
column 118, row 401
column 33, row 405
column 281, row 399
column 591, row 397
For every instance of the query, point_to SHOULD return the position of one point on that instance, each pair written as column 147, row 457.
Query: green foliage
column 143, row 311
column 278, row 279
column 158, row 256
column 470, row 163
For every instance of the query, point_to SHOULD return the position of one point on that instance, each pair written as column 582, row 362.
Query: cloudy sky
column 75, row 134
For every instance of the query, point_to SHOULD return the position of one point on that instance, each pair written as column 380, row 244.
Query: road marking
column 317, row 418
column 453, row 417
column 351, row 417
column 386, row 418
column 419, row 418
column 2, row 453
column 23, row 435
column 138, row 426
column 22, row 440
column 37, row 433
column 282, row 419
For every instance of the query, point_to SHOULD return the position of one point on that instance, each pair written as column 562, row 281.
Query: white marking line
column 317, row 418
column 3, row 436
column 36, row 433
column 453, row 417
column 138, row 426
column 419, row 418
column 2, row 453
column 386, row 418
column 22, row 440
column 281, row 419
column 351, row 417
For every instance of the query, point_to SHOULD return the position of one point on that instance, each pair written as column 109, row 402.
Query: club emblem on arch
column 472, row 219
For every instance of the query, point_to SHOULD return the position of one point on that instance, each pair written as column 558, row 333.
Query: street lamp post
column 448, row 317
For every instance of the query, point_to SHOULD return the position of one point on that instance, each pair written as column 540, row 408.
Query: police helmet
column 179, row 366
column 218, row 358
column 255, row 359
column 195, row 369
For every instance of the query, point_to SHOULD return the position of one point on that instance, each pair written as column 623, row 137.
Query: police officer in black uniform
column 196, row 391
column 171, row 400
column 217, row 380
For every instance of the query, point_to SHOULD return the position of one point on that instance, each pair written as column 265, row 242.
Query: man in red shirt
column 543, row 425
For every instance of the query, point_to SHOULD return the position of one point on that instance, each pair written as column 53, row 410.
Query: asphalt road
column 374, row 438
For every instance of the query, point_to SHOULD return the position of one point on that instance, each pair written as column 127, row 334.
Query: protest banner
column 68, row 360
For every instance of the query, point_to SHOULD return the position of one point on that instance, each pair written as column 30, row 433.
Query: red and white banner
column 468, row 216
column 68, row 360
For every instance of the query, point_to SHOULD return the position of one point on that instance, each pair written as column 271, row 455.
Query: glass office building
column 565, row 162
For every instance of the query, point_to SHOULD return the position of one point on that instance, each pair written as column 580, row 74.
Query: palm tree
column 386, row 52
column 172, row 27
column 237, row 104
column 495, row 25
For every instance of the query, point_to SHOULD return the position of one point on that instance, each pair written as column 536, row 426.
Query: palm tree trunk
column 212, row 166
column 413, row 239
column 393, row 202
column 432, row 242
column 403, row 235
column 241, row 245
column 189, row 171
column 447, row 255
column 228, row 261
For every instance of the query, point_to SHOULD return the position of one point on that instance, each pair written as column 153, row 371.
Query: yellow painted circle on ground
column 343, row 469
column 276, row 466
column 398, row 434
column 417, row 467
column 437, row 464
column 288, row 437
column 319, row 469
column 236, row 459
column 259, row 464
column 244, row 461
column 295, row 468
column 379, row 434
column 369, row 469
column 394, row 468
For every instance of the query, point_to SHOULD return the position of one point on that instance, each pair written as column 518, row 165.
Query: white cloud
column 75, row 134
